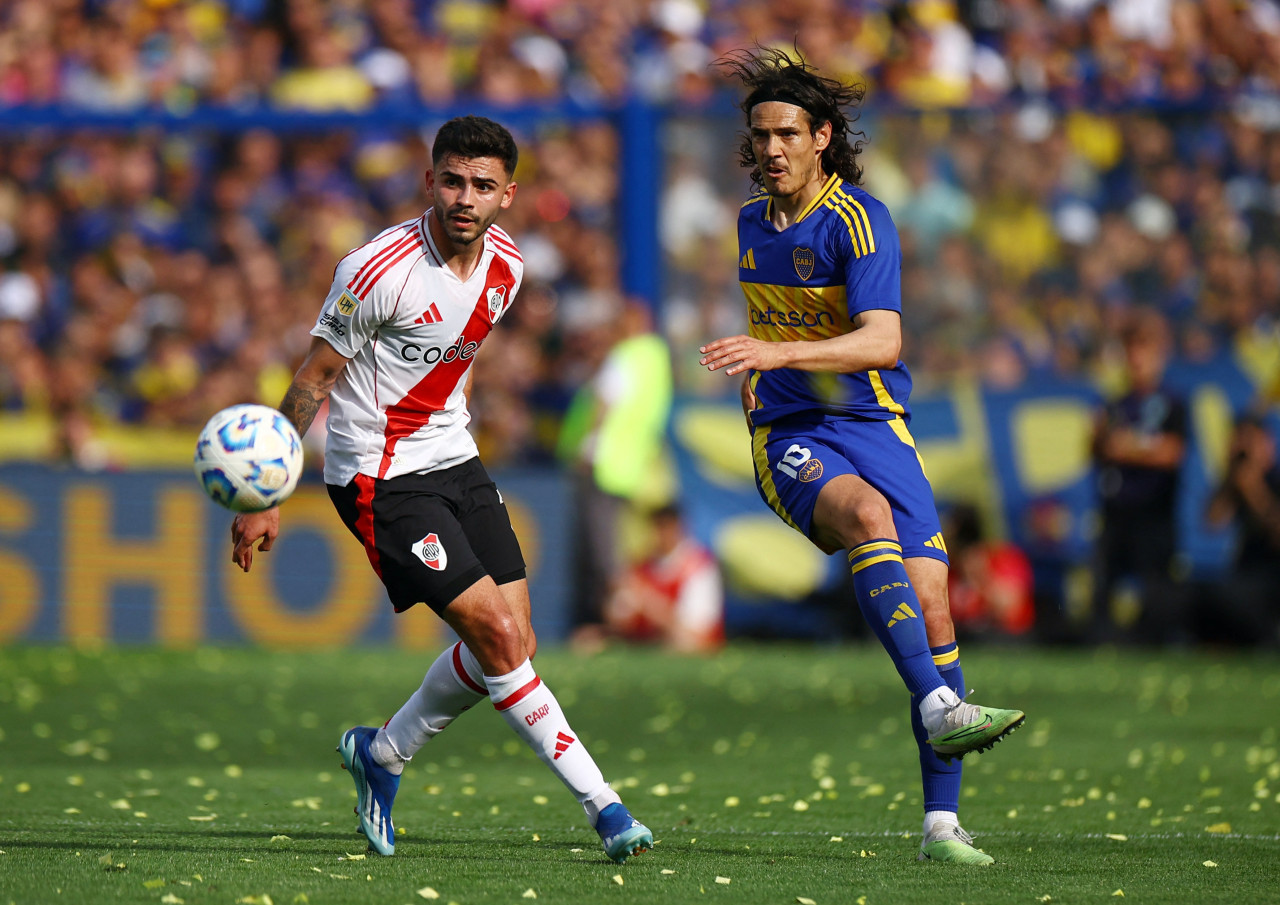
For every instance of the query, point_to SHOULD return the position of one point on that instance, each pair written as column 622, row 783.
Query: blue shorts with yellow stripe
column 795, row 459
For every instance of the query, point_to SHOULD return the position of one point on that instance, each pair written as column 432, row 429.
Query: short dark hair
column 475, row 136
column 775, row 75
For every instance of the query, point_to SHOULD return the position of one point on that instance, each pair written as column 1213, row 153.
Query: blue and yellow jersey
column 839, row 258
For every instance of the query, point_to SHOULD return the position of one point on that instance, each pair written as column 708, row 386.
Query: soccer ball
column 248, row 458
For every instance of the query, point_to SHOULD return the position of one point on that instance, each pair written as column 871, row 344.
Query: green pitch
column 769, row 774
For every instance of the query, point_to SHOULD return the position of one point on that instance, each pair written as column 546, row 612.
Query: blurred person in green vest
column 612, row 438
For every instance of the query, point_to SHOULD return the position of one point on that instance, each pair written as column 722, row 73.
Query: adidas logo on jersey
column 430, row 316
column 748, row 261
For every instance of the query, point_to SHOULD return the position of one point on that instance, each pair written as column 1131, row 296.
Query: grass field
column 769, row 774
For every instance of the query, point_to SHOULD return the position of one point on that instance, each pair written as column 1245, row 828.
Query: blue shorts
column 794, row 460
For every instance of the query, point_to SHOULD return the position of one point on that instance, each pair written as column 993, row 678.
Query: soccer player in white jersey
column 392, row 349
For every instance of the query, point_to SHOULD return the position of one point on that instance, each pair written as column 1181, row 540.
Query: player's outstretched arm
column 308, row 391
column 874, row 342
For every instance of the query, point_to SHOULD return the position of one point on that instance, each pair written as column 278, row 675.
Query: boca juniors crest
column 803, row 259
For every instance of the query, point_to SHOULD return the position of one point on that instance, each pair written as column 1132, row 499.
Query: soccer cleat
column 948, row 842
column 971, row 727
column 621, row 834
column 375, row 789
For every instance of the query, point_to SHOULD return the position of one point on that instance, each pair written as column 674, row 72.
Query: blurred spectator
column 990, row 584
column 612, row 438
column 1138, row 446
column 1244, row 607
column 673, row 596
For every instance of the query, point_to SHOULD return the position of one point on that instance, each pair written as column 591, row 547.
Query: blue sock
column 941, row 779
column 889, row 604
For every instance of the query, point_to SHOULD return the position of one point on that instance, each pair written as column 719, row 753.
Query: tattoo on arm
column 300, row 405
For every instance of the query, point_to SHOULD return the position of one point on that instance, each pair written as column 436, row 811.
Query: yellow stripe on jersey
column 759, row 437
column 853, row 233
column 756, row 199
column 830, row 187
column 855, row 205
column 882, row 395
column 862, row 242
column 949, row 657
column 788, row 313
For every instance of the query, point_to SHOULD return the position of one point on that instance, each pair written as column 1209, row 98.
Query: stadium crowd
column 1052, row 165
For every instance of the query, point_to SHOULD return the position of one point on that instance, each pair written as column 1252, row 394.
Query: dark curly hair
column 774, row 75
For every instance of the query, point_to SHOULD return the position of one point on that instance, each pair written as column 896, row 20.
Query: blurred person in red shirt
column 991, row 585
column 674, row 596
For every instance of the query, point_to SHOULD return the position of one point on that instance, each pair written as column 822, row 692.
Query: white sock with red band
column 534, row 713
column 453, row 684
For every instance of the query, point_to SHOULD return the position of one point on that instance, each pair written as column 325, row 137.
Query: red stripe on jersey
column 364, row 520
column 518, row 695
column 503, row 241
column 374, row 258
column 404, row 250
column 463, row 675
column 432, row 392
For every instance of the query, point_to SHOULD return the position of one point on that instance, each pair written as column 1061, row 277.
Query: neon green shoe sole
column 953, row 851
column 978, row 733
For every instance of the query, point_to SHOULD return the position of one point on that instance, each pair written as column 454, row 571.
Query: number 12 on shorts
column 795, row 456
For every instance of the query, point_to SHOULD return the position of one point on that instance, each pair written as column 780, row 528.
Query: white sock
column 934, row 817
column 534, row 713
column 453, row 684
column 934, row 707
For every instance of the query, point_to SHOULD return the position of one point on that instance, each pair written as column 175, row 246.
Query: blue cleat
column 621, row 834
column 376, row 788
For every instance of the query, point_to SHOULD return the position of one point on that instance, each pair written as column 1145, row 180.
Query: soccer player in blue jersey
column 825, row 396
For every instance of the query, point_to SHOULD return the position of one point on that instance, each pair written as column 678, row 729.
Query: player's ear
column 822, row 136
column 508, row 195
column 429, row 180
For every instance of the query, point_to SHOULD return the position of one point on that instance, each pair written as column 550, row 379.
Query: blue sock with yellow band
column 941, row 779
column 889, row 604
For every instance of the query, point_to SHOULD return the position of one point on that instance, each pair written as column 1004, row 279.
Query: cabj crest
column 803, row 259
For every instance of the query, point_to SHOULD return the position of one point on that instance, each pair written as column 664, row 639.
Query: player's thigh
column 793, row 468
column 883, row 454
column 412, row 537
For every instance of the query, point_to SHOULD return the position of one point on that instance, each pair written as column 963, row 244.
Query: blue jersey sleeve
column 873, row 260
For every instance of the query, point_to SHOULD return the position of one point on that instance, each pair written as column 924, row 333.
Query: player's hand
column 247, row 528
column 742, row 353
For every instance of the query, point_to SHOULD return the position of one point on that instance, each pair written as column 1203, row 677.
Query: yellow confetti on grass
column 800, row 805
column 427, row 892
column 1211, row 864
column 529, row 894
column 723, row 881
column 667, row 871
column 351, row 857
column 170, row 899
column 732, row 801
column 617, row 878
column 837, row 839
column 155, row 884
column 281, row 837
column 203, row 818
column 1218, row 828
column 1118, row 837
column 805, row 900
column 1118, row 892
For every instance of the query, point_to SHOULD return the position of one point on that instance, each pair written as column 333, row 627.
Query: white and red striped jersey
column 411, row 328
